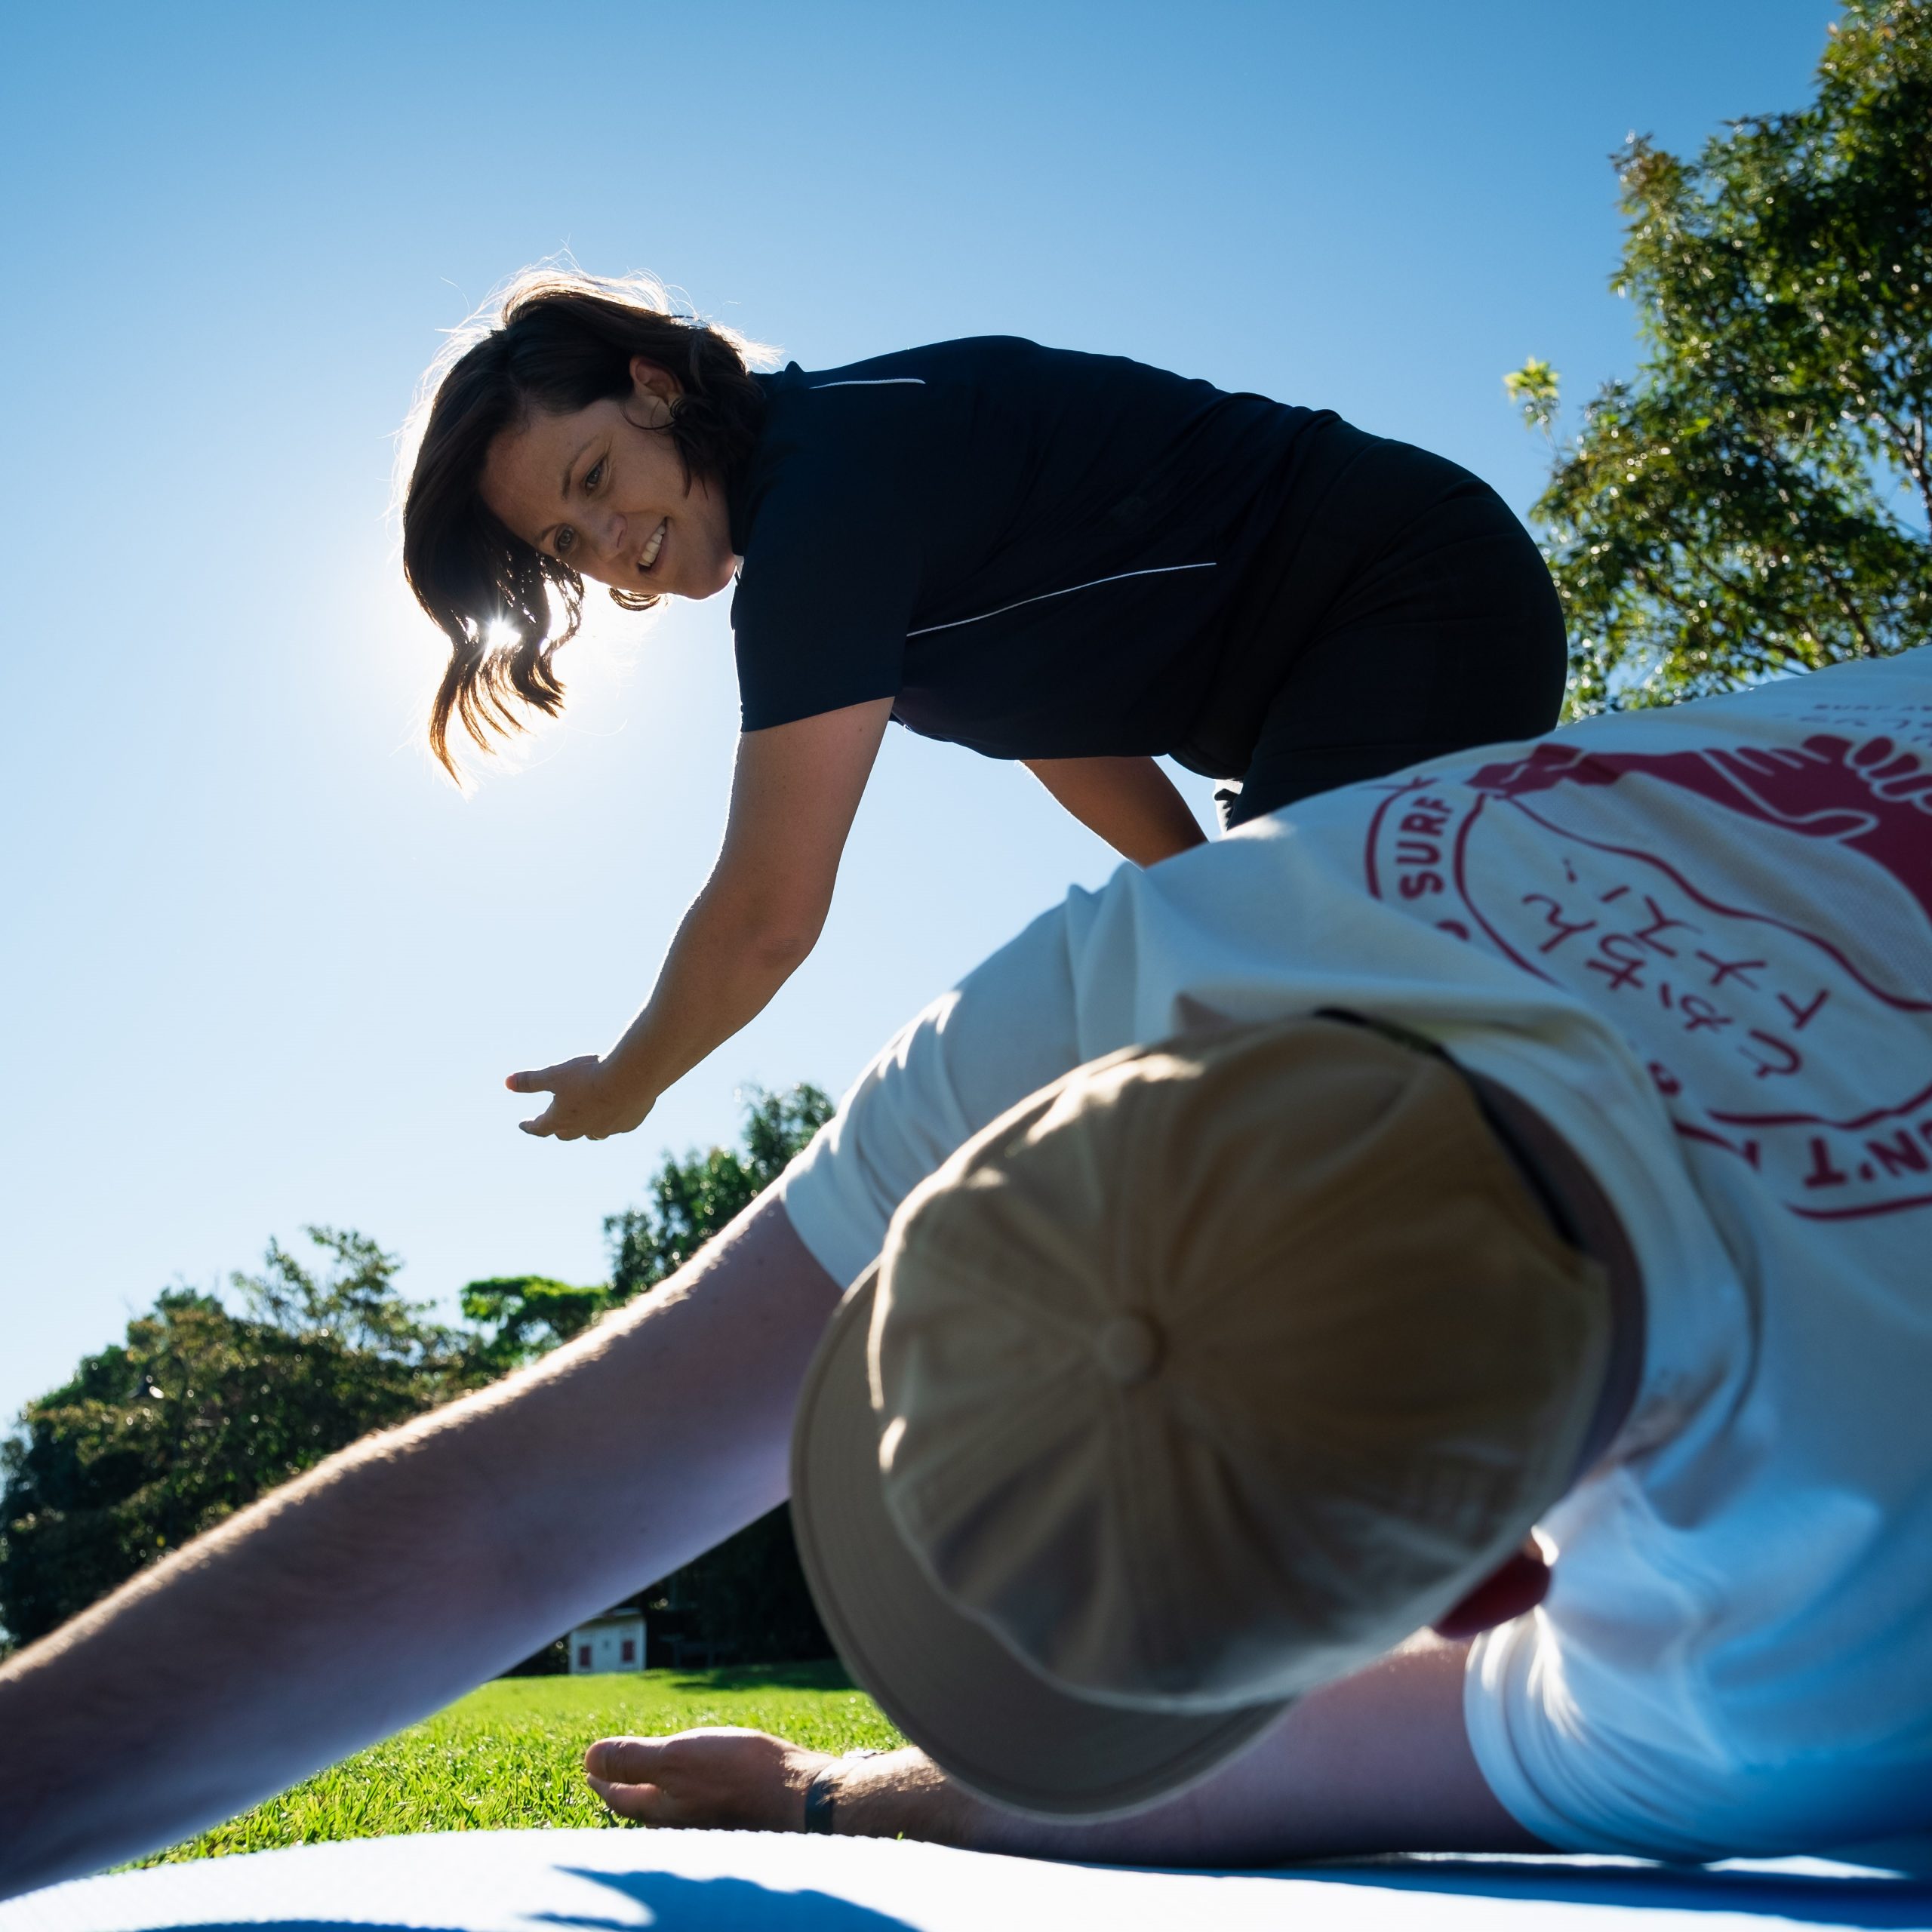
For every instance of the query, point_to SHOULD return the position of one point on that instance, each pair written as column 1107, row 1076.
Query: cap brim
column 986, row 1718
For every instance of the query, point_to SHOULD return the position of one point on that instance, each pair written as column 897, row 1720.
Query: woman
column 1073, row 561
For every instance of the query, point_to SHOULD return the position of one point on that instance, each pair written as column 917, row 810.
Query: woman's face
column 603, row 490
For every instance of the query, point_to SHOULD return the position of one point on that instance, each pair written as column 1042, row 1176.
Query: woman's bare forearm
column 727, row 960
column 1130, row 802
column 411, row 1567
column 793, row 794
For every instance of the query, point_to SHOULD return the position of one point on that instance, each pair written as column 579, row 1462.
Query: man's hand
column 728, row 1779
column 722, row 1777
column 589, row 1099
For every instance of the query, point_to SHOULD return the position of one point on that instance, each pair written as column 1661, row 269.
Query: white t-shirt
column 1700, row 941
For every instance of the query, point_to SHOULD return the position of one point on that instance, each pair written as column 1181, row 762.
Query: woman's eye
column 563, row 543
column 594, row 475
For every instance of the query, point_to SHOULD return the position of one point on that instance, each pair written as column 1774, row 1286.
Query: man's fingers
column 720, row 1776
column 643, row 1803
column 625, row 1760
column 541, row 1080
column 623, row 1772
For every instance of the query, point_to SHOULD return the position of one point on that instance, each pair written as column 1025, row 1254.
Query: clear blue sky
column 259, row 966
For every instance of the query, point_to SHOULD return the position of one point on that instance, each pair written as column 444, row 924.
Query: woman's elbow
column 780, row 939
column 782, row 952
column 772, row 922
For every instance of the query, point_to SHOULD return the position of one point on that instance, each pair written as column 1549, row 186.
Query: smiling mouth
column 647, row 556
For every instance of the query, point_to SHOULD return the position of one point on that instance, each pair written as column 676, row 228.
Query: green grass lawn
column 510, row 1755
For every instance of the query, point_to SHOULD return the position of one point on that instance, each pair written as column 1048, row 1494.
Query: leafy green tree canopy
column 523, row 1316
column 691, row 1198
column 748, row 1597
column 1758, row 499
column 200, row 1409
column 694, row 1198
column 207, row 1404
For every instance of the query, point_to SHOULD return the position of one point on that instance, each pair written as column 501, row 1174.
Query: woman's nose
column 610, row 538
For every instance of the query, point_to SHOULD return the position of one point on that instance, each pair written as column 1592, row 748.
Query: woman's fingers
column 550, row 1079
column 570, row 1084
column 590, row 1100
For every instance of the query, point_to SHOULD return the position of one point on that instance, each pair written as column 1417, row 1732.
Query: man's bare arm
column 1379, row 1762
column 401, row 1572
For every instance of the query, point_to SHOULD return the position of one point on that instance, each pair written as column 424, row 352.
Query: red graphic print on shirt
column 1875, row 797
column 1756, row 920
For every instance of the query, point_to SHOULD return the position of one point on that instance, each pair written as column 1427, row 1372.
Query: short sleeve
column 1003, row 1032
column 832, row 553
column 1599, row 1730
column 1518, row 1720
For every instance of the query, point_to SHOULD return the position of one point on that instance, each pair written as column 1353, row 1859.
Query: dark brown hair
column 557, row 342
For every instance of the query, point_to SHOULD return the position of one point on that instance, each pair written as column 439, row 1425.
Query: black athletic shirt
column 1035, row 553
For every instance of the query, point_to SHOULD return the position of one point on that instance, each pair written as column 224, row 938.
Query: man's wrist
column 821, row 1793
column 893, row 1795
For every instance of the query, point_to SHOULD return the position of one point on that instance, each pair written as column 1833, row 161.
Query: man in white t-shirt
column 1699, row 943
column 1694, row 946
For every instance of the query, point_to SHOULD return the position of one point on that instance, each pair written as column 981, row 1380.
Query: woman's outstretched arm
column 399, row 1573
column 1130, row 801
column 793, row 796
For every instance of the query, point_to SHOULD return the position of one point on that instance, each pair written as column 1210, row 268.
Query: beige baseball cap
column 1201, row 1378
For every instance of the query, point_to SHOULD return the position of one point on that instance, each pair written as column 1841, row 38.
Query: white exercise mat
column 722, row 1881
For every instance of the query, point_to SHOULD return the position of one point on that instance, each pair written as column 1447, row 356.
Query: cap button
column 1130, row 1348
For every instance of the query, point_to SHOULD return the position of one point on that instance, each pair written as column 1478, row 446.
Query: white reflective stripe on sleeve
column 1092, row 583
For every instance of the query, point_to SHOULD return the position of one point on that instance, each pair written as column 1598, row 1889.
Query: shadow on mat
column 672, row 1904
column 721, row 1905
column 1816, row 1898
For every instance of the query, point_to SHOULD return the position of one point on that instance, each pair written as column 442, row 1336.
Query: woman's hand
column 590, row 1099
column 722, row 1777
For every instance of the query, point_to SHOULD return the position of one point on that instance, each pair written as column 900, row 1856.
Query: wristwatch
column 821, row 1795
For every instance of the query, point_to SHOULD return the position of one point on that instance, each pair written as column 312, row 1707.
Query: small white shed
column 613, row 1641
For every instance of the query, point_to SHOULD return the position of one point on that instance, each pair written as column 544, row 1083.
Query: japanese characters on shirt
column 1754, row 916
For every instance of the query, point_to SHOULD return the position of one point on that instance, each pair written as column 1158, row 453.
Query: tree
column 200, row 1409
column 204, row 1406
column 692, row 1199
column 747, row 1597
column 1758, row 499
column 523, row 1316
